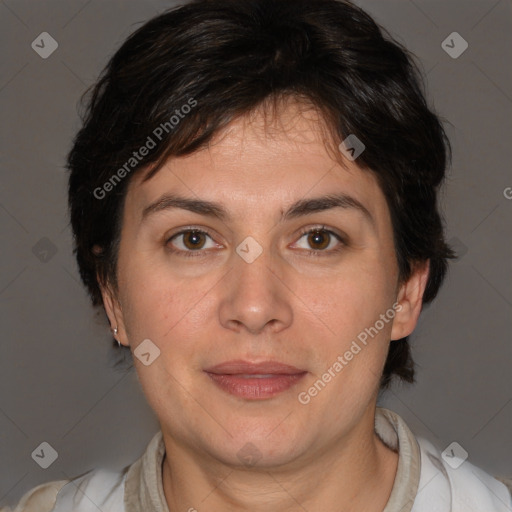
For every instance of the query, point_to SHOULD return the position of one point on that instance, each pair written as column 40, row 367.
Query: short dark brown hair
column 226, row 58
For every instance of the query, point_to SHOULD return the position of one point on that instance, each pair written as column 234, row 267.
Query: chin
column 254, row 454
column 258, row 443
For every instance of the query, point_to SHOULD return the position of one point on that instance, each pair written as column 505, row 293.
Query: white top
column 424, row 482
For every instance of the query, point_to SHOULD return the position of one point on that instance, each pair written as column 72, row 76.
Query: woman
column 253, row 199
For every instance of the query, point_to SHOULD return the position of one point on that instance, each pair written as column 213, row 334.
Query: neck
column 337, row 479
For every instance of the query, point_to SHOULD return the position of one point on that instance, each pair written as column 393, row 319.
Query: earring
column 114, row 330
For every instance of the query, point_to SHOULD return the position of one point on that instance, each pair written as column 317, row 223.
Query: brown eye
column 193, row 239
column 189, row 242
column 319, row 240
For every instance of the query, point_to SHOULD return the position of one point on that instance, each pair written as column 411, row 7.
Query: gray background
column 57, row 383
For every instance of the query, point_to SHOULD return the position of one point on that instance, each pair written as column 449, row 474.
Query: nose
column 255, row 297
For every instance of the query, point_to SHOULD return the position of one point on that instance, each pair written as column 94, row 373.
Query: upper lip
column 241, row 367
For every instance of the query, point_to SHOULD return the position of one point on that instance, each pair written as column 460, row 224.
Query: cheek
column 349, row 359
column 163, row 306
column 152, row 304
column 350, row 307
column 352, row 300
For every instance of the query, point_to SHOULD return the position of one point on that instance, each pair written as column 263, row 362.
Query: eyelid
column 341, row 239
column 185, row 230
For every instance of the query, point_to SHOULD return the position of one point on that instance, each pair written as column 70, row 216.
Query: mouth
column 255, row 381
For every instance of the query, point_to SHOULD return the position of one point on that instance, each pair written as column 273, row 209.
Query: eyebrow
column 298, row 209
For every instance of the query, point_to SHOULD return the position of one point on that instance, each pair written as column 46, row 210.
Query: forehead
column 262, row 162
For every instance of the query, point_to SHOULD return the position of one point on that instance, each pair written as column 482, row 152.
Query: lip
column 239, row 366
column 255, row 381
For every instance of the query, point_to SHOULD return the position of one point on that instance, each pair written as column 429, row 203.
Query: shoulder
column 103, row 487
column 38, row 499
column 447, row 478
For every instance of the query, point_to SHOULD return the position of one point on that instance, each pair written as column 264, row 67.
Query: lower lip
column 255, row 388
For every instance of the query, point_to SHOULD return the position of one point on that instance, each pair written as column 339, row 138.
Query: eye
column 322, row 240
column 189, row 242
column 192, row 240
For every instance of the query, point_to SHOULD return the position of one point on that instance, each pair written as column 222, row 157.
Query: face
column 255, row 311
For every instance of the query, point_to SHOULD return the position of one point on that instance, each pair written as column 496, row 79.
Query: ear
column 410, row 300
column 114, row 312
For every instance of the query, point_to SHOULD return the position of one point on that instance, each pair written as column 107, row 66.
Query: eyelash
column 311, row 252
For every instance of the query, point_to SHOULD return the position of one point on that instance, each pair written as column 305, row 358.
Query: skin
column 286, row 306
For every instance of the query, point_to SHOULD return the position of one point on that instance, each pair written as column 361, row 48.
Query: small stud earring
column 114, row 330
